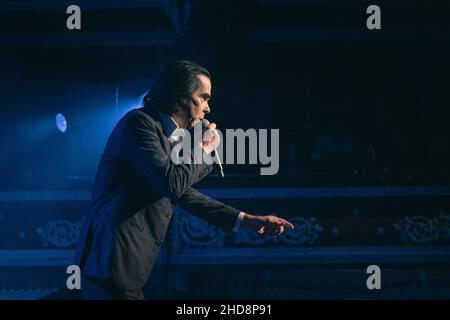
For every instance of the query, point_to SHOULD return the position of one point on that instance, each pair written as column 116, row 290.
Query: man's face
column 199, row 103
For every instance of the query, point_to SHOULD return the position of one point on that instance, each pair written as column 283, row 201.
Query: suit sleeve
column 143, row 153
column 213, row 211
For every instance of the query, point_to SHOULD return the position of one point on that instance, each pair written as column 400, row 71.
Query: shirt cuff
column 239, row 219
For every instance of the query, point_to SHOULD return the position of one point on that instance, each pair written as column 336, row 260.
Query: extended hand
column 266, row 225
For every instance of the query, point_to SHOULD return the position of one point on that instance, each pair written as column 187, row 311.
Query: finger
column 288, row 224
column 212, row 126
column 275, row 230
column 279, row 230
column 272, row 228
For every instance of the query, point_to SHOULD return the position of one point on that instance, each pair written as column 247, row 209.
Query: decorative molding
column 250, row 238
column 421, row 229
column 306, row 231
column 193, row 232
column 60, row 233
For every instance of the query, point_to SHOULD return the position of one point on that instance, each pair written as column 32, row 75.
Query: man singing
column 137, row 186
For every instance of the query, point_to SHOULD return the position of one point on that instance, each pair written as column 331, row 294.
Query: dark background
column 356, row 108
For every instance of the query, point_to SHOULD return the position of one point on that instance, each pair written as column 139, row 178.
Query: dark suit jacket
column 135, row 190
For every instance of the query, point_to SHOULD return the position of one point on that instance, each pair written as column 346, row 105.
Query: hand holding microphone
column 211, row 139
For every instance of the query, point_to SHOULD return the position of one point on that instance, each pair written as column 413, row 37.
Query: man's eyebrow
column 206, row 95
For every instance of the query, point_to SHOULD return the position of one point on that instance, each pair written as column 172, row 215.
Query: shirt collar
column 171, row 129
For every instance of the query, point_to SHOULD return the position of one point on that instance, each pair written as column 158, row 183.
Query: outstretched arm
column 225, row 216
column 206, row 208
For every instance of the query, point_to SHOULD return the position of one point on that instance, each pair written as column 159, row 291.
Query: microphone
column 214, row 153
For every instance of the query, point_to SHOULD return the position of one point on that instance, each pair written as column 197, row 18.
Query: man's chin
column 194, row 122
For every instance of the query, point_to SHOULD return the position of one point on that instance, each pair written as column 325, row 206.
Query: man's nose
column 207, row 109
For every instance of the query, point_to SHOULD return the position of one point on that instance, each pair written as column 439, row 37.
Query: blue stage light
column 61, row 122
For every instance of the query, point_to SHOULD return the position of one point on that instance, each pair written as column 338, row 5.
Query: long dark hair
column 176, row 82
